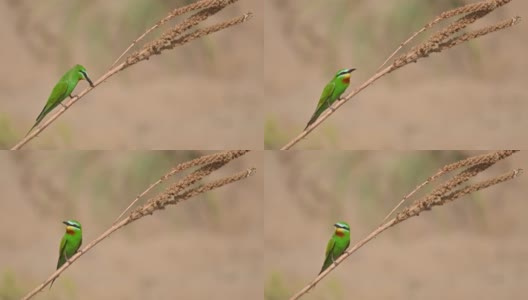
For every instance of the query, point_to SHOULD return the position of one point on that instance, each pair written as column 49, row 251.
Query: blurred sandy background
column 205, row 95
column 207, row 247
column 474, row 248
column 477, row 91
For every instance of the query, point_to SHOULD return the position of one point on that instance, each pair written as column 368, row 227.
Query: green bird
column 63, row 89
column 332, row 91
column 70, row 243
column 337, row 244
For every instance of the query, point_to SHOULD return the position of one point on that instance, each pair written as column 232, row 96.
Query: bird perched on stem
column 337, row 245
column 63, row 89
column 70, row 243
column 332, row 91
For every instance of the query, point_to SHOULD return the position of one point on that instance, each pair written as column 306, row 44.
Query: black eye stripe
column 84, row 73
column 346, row 71
column 341, row 226
column 74, row 225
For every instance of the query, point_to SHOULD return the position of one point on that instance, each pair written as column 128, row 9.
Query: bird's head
column 82, row 74
column 342, row 228
column 72, row 226
column 344, row 75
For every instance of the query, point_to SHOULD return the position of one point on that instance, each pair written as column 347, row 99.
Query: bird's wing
column 324, row 103
column 325, row 95
column 63, row 244
column 58, row 94
column 330, row 247
column 328, row 255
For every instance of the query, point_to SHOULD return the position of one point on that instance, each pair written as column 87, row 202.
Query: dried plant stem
column 468, row 8
column 170, row 39
column 471, row 161
column 437, row 197
column 203, row 4
column 173, row 195
column 438, row 42
column 203, row 160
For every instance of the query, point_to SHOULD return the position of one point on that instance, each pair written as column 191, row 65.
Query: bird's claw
column 63, row 105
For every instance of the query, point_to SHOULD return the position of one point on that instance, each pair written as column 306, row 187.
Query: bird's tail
column 312, row 119
column 316, row 115
column 52, row 283
column 37, row 121
column 328, row 261
column 31, row 129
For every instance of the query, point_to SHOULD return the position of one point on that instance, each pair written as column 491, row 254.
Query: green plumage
column 62, row 89
column 70, row 243
column 337, row 245
column 332, row 91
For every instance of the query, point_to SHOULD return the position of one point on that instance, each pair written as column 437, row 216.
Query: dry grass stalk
column 442, row 40
column 203, row 4
column 203, row 160
column 172, row 38
column 431, row 200
column 471, row 161
column 468, row 8
column 179, row 191
column 439, row 196
column 169, row 40
column 171, row 197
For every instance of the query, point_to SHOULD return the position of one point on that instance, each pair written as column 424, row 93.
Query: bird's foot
column 71, row 97
column 63, row 105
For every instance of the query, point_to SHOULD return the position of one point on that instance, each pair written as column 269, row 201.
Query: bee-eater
column 337, row 244
column 70, row 243
column 63, row 89
column 332, row 91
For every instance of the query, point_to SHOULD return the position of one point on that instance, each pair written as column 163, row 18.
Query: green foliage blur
column 9, row 286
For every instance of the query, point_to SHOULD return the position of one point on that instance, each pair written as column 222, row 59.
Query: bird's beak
column 351, row 70
column 89, row 81
column 65, row 222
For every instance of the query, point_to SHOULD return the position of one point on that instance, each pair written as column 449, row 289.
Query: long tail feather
column 52, row 283
column 36, row 123
column 327, row 263
column 312, row 120
column 41, row 116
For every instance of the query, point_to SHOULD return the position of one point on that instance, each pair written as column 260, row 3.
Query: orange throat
column 346, row 80
column 340, row 233
column 70, row 231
